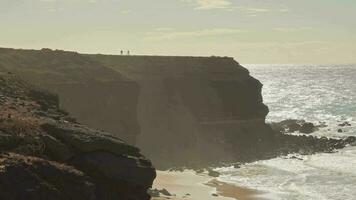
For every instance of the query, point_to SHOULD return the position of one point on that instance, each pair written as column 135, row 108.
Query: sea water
column 316, row 94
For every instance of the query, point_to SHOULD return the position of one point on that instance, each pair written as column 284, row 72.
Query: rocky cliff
column 200, row 111
column 179, row 110
column 94, row 94
column 188, row 105
column 45, row 154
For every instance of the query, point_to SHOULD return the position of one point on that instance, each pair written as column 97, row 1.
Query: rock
column 322, row 125
column 237, row 165
column 307, row 128
column 292, row 125
column 56, row 149
column 215, row 195
column 157, row 192
column 84, row 139
column 154, row 192
column 287, row 126
column 165, row 192
column 351, row 140
column 108, row 160
column 213, row 173
column 345, row 124
column 340, row 130
column 105, row 165
column 38, row 128
column 295, row 157
column 30, row 178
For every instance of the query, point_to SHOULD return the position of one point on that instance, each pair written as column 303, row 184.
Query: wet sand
column 188, row 185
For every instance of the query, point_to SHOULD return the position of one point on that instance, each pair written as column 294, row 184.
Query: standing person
column 122, row 52
column 128, row 53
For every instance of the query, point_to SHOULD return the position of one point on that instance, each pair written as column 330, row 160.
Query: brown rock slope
column 94, row 164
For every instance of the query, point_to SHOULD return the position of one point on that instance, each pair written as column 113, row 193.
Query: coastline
column 188, row 185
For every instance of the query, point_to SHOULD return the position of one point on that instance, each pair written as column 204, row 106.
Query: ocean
column 317, row 94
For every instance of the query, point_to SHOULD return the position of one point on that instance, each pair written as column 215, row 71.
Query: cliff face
column 45, row 154
column 179, row 110
column 189, row 106
column 94, row 94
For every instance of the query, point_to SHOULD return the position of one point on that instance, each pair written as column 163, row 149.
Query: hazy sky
column 252, row 31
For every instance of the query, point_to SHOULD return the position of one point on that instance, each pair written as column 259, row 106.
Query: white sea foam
column 313, row 93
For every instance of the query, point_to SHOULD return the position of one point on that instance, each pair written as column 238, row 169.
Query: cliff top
column 167, row 67
column 47, row 66
column 57, row 66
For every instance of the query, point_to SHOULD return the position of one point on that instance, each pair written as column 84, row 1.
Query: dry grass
column 25, row 130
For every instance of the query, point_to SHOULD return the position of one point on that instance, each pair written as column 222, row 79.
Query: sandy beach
column 188, row 185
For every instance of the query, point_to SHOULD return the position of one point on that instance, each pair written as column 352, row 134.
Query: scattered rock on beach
column 157, row 193
column 153, row 192
column 165, row 192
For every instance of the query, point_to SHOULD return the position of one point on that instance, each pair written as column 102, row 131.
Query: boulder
column 118, row 169
column 31, row 178
column 307, row 128
column 83, row 139
column 345, row 124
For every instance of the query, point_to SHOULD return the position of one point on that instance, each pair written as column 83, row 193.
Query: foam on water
column 321, row 176
column 313, row 93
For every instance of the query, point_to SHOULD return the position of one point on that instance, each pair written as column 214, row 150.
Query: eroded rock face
column 188, row 106
column 162, row 104
column 181, row 111
column 105, row 158
column 30, row 178
column 33, row 128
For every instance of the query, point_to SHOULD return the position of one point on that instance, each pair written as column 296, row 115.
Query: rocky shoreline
column 182, row 112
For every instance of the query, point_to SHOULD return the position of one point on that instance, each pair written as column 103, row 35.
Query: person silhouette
column 128, row 53
column 122, row 52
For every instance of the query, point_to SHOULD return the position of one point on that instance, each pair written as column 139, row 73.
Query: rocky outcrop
column 159, row 103
column 32, row 125
column 30, row 178
column 294, row 125
column 200, row 111
column 179, row 110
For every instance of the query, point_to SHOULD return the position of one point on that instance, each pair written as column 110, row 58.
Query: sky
column 251, row 31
